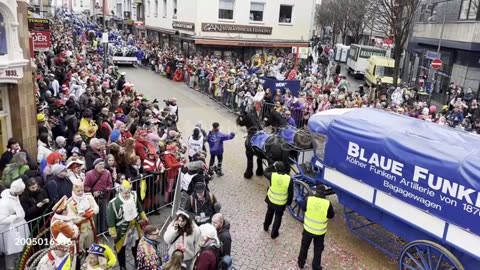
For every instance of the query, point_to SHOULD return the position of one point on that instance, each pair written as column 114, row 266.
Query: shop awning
column 159, row 29
column 248, row 43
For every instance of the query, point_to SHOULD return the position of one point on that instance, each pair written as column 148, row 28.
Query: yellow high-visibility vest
column 95, row 44
column 316, row 220
column 278, row 191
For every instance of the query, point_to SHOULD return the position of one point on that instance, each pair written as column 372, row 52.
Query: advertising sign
column 35, row 24
column 41, row 40
column 233, row 28
column 183, row 25
column 273, row 84
column 436, row 172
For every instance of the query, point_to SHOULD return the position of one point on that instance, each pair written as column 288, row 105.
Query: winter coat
column 189, row 242
column 225, row 239
column 58, row 187
column 42, row 151
column 215, row 141
column 208, row 257
column 171, row 164
column 103, row 184
column 12, row 215
column 29, row 201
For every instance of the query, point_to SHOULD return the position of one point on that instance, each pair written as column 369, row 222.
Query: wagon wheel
column 427, row 255
column 301, row 191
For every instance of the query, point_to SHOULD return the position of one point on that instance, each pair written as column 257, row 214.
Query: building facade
column 230, row 28
column 17, row 95
column 459, row 44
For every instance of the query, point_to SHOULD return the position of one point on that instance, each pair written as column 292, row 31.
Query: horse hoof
column 247, row 175
column 259, row 173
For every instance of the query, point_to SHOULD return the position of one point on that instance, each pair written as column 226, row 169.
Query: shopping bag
column 13, row 242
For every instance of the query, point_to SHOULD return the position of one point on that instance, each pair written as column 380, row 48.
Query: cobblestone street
column 243, row 200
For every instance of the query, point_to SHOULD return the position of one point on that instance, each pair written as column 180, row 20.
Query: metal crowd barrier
column 34, row 235
column 234, row 103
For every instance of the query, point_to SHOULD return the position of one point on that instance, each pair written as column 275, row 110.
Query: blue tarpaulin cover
column 432, row 167
column 258, row 140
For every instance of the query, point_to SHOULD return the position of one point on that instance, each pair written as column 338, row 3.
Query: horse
column 270, row 147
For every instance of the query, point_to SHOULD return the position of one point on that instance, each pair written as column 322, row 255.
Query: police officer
column 317, row 212
column 279, row 195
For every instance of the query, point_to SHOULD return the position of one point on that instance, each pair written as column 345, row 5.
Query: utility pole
column 105, row 38
column 436, row 79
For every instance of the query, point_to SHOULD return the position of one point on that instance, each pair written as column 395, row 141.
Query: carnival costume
column 82, row 209
column 122, row 216
column 101, row 257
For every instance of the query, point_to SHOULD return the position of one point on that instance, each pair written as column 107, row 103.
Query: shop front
column 183, row 38
column 241, row 48
column 17, row 98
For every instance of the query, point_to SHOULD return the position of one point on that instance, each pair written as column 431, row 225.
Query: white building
column 230, row 27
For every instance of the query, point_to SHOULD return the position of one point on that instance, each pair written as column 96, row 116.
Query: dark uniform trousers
column 122, row 258
column 318, row 246
column 271, row 212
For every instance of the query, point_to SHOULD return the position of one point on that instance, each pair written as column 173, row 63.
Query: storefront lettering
column 230, row 28
column 183, row 25
column 367, row 54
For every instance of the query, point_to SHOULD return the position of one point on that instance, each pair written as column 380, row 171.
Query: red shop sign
column 41, row 40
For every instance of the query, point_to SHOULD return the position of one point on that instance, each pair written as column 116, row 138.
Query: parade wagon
column 409, row 187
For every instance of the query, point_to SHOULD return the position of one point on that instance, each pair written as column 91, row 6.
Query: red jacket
column 171, row 164
column 141, row 149
column 206, row 260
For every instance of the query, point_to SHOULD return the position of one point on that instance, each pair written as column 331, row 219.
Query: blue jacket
column 291, row 122
column 215, row 141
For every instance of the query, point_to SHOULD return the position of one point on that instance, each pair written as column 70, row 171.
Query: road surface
column 243, row 200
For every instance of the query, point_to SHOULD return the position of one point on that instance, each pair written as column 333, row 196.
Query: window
column 3, row 36
column 174, row 9
column 148, row 8
column 469, row 9
column 225, row 9
column 256, row 12
column 285, row 14
column 164, row 8
column 155, row 10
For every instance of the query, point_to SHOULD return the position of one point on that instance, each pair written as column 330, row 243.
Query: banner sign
column 183, row 26
column 38, row 24
column 436, row 172
column 232, row 28
column 273, row 84
column 41, row 40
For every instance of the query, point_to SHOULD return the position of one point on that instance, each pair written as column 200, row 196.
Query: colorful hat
column 97, row 250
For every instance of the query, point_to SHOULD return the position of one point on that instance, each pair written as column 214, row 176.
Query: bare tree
column 344, row 16
column 395, row 18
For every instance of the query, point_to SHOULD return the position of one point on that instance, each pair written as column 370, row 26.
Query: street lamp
column 438, row 49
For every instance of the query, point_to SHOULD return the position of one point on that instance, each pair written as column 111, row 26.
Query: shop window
column 285, row 14
column 225, row 9
column 256, row 12
column 3, row 35
column 155, row 11
column 469, row 10
column 174, row 9
column 164, row 8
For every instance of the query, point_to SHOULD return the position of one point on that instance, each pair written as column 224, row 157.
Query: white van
column 358, row 57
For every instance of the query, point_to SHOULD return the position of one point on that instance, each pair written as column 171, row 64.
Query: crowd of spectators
column 236, row 83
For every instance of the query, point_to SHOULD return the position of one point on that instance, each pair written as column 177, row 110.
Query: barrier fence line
column 234, row 102
column 34, row 234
